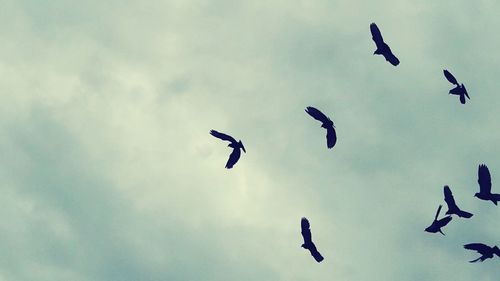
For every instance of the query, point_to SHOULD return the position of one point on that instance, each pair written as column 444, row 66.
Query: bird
column 237, row 146
column 452, row 206
column 484, row 180
column 382, row 48
column 459, row 89
column 308, row 243
column 438, row 224
column 486, row 251
column 331, row 135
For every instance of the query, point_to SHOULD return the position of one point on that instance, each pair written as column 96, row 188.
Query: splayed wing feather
column 484, row 179
column 316, row 114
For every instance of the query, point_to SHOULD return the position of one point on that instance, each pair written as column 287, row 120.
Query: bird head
column 476, row 195
column 303, row 246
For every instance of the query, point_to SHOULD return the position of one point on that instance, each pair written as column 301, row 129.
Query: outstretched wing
column 478, row 247
column 306, row 231
column 233, row 158
column 222, row 136
column 314, row 252
column 376, row 35
column 390, row 57
column 448, row 198
column 318, row 115
column 450, row 77
column 484, row 179
column 437, row 213
column 331, row 137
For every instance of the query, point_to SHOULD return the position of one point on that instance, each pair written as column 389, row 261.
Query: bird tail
column 242, row 147
column 476, row 260
column 464, row 214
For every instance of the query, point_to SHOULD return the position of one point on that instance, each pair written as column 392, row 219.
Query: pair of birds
column 331, row 136
column 384, row 50
column 484, row 180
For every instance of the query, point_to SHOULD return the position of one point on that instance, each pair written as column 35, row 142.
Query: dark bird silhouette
column 308, row 243
column 486, row 251
column 459, row 89
column 331, row 135
column 484, row 180
column 235, row 155
column 382, row 48
column 452, row 206
column 437, row 224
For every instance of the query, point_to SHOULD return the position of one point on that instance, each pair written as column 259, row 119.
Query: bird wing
column 437, row 213
column 318, row 115
column 233, row 158
column 390, row 57
column 306, row 231
column 464, row 214
column 478, row 247
column 444, row 221
column 331, row 137
column 456, row 91
column 465, row 91
column 462, row 99
column 450, row 77
column 376, row 35
column 484, row 179
column 314, row 252
column 448, row 198
column 222, row 136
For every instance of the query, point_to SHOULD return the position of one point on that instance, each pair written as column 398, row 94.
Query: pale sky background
column 108, row 172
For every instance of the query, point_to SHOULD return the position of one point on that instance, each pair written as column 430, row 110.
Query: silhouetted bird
column 382, row 48
column 459, row 89
column 484, row 180
column 452, row 206
column 308, row 243
column 437, row 224
column 485, row 251
column 235, row 155
column 331, row 136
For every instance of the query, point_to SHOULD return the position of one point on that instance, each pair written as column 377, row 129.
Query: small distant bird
column 308, row 243
column 382, row 48
column 459, row 89
column 452, row 206
column 437, row 224
column 235, row 155
column 485, row 251
column 484, row 180
column 331, row 136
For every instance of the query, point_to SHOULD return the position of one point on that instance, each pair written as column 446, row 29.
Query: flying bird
column 382, row 48
column 308, row 243
column 437, row 224
column 459, row 89
column 452, row 206
column 484, row 180
column 331, row 135
column 235, row 155
column 486, row 251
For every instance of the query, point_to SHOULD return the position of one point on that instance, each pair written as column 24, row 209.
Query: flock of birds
column 484, row 177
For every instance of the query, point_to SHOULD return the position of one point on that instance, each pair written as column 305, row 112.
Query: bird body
column 486, row 251
column 459, row 89
column 484, row 180
column 382, row 47
column 308, row 243
column 437, row 224
column 331, row 135
column 236, row 145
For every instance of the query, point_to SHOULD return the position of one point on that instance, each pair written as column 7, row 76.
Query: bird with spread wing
column 237, row 146
column 382, row 48
column 331, row 135
column 308, row 243
column 486, row 251
column 459, row 89
column 484, row 180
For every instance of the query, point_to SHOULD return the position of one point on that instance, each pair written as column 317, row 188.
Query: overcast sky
column 108, row 171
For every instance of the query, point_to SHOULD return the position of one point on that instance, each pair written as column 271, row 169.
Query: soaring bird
column 382, row 48
column 459, row 89
column 308, row 243
column 484, row 180
column 331, row 136
column 235, row 155
column 452, row 206
column 437, row 224
column 486, row 251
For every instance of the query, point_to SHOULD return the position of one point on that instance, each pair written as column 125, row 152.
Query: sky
column 108, row 171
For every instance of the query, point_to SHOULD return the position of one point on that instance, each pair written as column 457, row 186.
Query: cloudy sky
column 108, row 172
